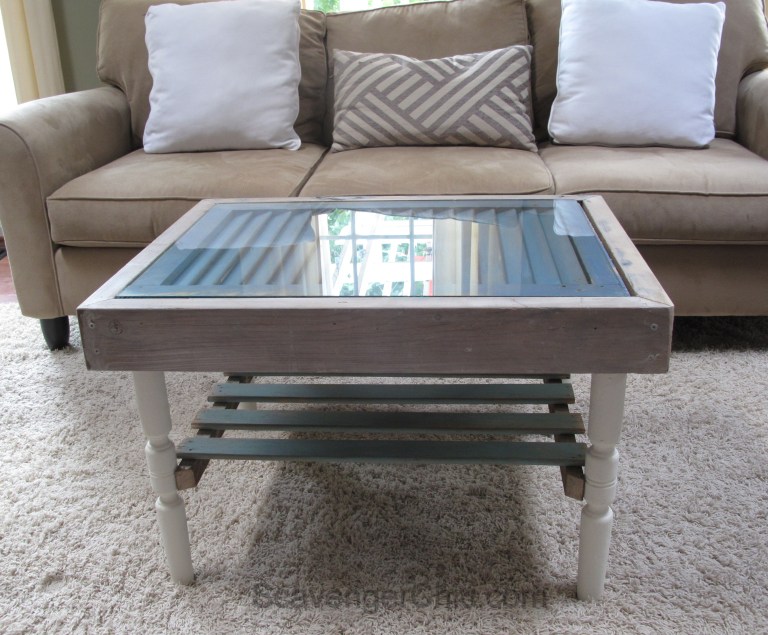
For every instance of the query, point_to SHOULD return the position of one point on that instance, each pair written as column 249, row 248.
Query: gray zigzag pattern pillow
column 478, row 99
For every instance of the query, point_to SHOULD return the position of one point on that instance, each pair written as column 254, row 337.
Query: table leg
column 152, row 400
column 606, row 414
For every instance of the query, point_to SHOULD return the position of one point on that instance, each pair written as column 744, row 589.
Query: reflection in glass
column 539, row 247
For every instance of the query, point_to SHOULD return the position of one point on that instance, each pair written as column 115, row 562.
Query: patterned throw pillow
column 478, row 99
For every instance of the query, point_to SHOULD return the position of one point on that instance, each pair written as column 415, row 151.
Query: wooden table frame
column 607, row 337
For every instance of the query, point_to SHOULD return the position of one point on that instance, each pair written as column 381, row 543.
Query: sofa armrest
column 43, row 145
column 752, row 113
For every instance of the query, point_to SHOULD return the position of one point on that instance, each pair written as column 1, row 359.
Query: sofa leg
column 56, row 332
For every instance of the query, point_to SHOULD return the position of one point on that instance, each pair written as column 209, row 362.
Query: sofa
column 79, row 197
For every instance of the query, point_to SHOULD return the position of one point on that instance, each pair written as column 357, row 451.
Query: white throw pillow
column 636, row 72
column 225, row 75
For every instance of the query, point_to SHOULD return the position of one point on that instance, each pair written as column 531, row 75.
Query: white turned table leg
column 606, row 414
column 152, row 400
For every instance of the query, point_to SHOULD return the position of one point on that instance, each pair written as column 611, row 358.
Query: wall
column 7, row 92
column 76, row 25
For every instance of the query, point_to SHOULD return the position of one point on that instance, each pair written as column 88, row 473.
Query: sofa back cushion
column 426, row 31
column 122, row 62
column 743, row 49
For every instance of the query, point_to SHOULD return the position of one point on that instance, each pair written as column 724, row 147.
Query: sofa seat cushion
column 429, row 170
column 671, row 195
column 129, row 202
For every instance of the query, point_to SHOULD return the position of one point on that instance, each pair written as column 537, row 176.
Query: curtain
column 33, row 48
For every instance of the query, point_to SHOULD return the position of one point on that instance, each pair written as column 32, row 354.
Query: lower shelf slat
column 525, row 453
column 391, row 422
column 397, row 393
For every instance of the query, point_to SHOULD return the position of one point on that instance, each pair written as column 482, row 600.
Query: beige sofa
column 79, row 197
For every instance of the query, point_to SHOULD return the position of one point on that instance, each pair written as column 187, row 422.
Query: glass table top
column 368, row 247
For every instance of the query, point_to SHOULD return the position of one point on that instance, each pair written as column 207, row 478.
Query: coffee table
column 493, row 287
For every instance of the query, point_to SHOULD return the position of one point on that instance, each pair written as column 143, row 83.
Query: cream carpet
column 347, row 548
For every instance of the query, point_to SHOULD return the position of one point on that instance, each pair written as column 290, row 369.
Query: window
column 331, row 6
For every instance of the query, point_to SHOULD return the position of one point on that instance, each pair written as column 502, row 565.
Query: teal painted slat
column 598, row 264
column 216, row 257
column 513, row 256
column 563, row 252
column 391, row 422
column 398, row 393
column 527, row 453
column 543, row 266
column 258, row 224
column 273, row 245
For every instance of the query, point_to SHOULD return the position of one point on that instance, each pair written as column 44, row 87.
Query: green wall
column 76, row 25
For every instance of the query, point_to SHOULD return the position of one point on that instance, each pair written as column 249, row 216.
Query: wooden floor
column 7, row 292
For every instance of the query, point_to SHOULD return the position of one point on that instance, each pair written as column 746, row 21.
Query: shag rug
column 353, row 548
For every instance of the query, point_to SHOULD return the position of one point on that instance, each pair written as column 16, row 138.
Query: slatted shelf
column 390, row 422
column 523, row 453
column 400, row 393
column 190, row 471
column 225, row 414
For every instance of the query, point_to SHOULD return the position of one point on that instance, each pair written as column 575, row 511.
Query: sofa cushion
column 744, row 49
column 662, row 92
column 238, row 92
column 122, row 62
column 426, row 31
column 476, row 99
column 129, row 202
column 663, row 195
column 429, row 170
